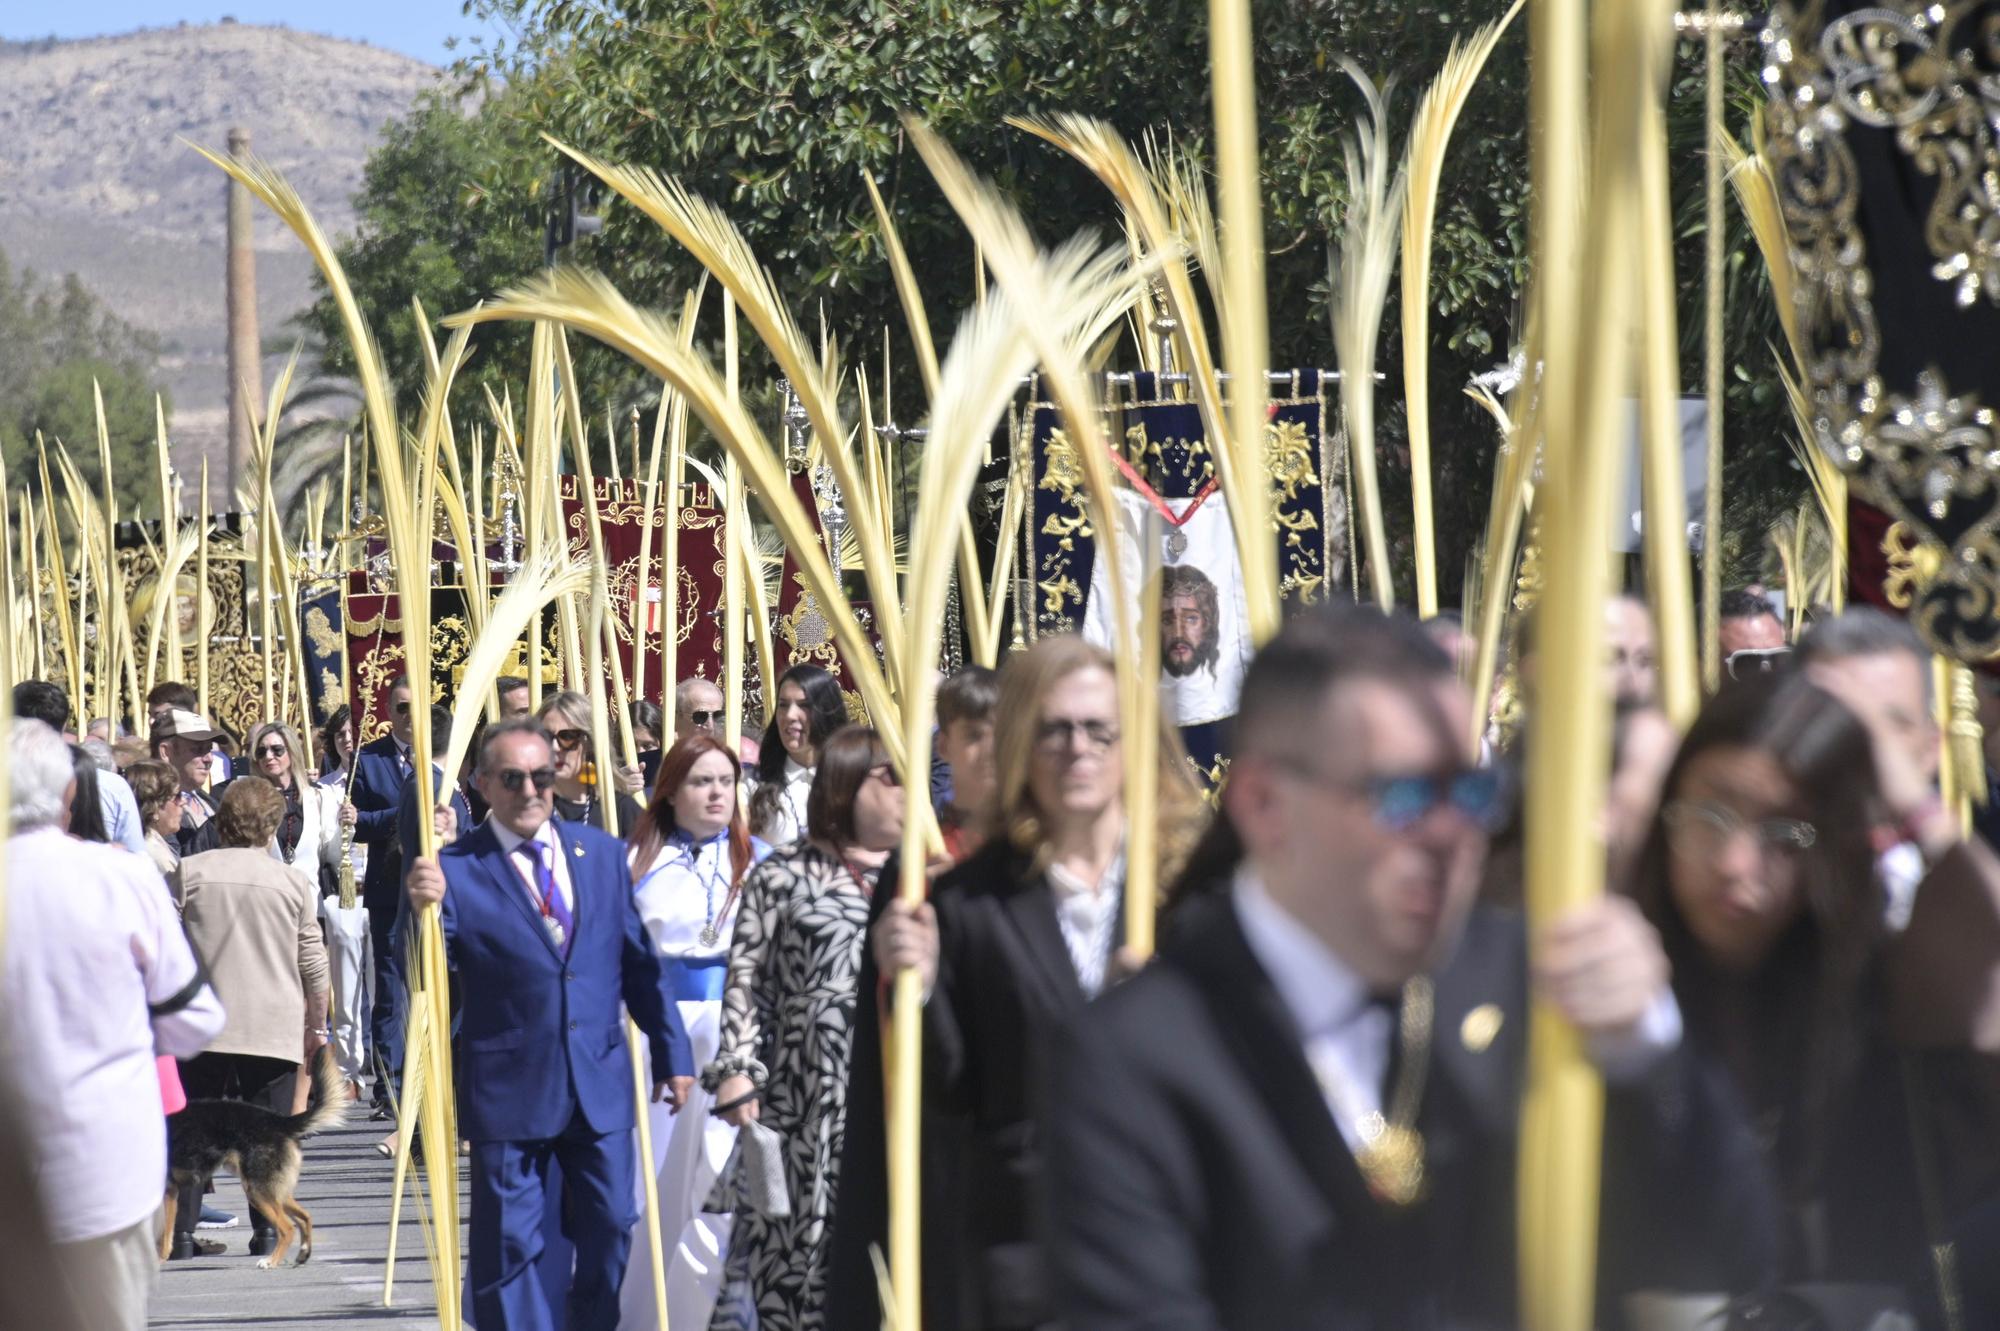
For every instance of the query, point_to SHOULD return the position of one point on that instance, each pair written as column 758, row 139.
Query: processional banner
column 322, row 635
column 803, row 632
column 697, row 629
column 373, row 623
column 1169, row 486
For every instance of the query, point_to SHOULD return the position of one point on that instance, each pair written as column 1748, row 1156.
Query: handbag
column 753, row 1178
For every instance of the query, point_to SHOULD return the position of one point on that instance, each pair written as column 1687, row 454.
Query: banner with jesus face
column 1204, row 614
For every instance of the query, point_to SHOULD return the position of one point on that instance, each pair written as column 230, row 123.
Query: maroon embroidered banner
column 697, row 630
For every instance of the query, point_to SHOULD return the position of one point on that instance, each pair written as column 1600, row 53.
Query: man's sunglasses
column 516, row 780
column 1401, row 802
column 703, row 720
column 402, row 709
column 1754, row 661
column 570, row 739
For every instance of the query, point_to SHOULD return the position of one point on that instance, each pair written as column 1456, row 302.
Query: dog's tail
column 328, row 1105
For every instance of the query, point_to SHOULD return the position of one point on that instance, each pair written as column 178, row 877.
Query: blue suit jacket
column 378, row 795
column 542, row 1037
column 408, row 846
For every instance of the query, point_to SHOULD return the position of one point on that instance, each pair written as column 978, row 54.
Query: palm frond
column 708, row 234
column 593, row 306
column 1749, row 175
column 1423, row 167
column 1361, row 271
column 1100, row 148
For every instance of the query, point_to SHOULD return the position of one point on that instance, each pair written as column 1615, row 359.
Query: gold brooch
column 1481, row 1024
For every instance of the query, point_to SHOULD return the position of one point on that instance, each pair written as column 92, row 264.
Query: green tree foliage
column 446, row 214
column 59, row 338
column 774, row 110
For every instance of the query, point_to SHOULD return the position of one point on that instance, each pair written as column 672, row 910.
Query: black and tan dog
column 261, row 1148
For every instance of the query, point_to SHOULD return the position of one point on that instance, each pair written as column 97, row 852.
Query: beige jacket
column 255, row 923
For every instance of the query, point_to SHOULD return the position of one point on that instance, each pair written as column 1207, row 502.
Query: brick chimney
column 246, row 373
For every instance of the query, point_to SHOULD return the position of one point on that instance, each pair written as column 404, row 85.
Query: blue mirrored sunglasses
column 1401, row 802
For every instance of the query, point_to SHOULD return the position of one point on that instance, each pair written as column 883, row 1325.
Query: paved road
column 346, row 1187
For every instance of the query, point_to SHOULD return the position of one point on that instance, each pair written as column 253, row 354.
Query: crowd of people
column 1302, row 1112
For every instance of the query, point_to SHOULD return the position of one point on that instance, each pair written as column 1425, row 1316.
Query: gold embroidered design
column 319, row 632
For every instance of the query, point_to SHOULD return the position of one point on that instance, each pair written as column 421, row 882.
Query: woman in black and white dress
column 689, row 856
column 787, row 1024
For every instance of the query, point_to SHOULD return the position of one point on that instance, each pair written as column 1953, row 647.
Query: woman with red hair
column 689, row 853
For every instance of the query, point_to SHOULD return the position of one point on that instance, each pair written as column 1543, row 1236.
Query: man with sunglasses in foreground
column 545, row 938
column 1305, row 1113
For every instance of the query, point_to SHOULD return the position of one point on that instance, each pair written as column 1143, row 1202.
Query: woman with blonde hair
column 309, row 835
column 1019, row 937
column 580, row 776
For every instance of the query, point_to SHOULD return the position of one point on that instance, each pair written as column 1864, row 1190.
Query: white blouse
column 684, row 898
column 788, row 822
column 319, row 833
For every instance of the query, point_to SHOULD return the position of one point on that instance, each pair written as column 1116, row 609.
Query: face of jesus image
column 1187, row 621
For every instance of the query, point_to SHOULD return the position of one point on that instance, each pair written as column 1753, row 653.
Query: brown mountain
column 94, row 178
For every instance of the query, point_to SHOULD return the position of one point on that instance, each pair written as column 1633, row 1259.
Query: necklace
column 1390, row 1155
column 711, row 929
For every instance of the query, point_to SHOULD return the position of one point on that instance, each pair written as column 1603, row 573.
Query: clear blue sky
column 414, row 27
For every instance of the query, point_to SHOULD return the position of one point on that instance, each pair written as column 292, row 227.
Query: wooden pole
column 733, row 571
column 734, row 557
column 649, row 498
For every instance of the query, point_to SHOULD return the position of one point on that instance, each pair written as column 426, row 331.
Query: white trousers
column 350, row 958
column 689, row 1150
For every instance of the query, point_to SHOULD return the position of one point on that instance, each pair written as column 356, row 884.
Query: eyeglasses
column 516, row 780
column 886, row 774
column 402, row 709
column 272, row 751
column 1754, row 661
column 1700, row 828
column 705, row 720
column 1060, row 734
column 1479, row 794
column 570, row 739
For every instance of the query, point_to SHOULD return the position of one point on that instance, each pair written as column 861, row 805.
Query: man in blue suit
column 545, row 937
column 382, row 768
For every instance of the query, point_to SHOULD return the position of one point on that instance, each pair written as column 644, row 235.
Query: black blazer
column 377, row 795
column 192, row 840
column 1197, row 1178
column 1006, row 986
column 1005, row 981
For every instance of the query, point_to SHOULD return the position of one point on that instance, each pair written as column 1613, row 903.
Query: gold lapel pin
column 1481, row 1024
